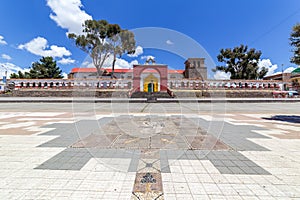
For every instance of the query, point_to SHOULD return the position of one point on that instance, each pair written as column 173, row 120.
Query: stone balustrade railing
column 183, row 84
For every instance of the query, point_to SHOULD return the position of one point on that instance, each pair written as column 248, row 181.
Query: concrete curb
column 144, row 100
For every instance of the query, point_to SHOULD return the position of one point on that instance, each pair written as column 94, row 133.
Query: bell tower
column 195, row 68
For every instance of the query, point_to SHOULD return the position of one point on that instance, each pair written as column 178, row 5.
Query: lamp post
column 4, row 78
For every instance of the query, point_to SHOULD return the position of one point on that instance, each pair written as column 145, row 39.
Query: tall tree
column 121, row 42
column 295, row 43
column 14, row 75
column 101, row 40
column 241, row 63
column 93, row 41
column 46, row 68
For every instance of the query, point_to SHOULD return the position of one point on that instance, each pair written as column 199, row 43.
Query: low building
column 295, row 79
column 285, row 77
column 89, row 73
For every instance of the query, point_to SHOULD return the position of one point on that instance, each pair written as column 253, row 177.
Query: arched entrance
column 150, row 83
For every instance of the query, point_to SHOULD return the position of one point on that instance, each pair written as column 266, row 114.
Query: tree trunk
column 113, row 67
column 98, row 72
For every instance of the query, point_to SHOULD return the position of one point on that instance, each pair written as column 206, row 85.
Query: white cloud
column 10, row 68
column 221, row 75
column 68, row 14
column 120, row 63
column 289, row 70
column 65, row 75
column 267, row 64
column 123, row 64
column 6, row 57
column 66, row 61
column 87, row 64
column 169, row 42
column 2, row 41
column 138, row 51
column 38, row 46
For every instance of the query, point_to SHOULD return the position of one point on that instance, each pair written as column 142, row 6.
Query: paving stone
column 73, row 154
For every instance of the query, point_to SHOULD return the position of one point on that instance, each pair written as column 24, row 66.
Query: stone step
column 149, row 95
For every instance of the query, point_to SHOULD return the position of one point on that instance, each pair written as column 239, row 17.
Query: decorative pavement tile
column 149, row 150
column 149, row 147
column 148, row 186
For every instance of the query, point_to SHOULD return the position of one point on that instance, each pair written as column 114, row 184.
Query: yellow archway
column 150, row 83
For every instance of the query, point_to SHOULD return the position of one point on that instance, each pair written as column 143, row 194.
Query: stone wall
column 124, row 93
column 225, row 93
column 70, row 93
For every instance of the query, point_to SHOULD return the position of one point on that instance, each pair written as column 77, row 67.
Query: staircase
column 151, row 95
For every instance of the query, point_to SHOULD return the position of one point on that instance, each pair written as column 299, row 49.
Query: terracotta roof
column 76, row 70
column 180, row 71
column 93, row 70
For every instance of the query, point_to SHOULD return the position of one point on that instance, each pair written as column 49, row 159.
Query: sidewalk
column 141, row 100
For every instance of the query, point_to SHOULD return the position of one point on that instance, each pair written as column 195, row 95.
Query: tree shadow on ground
column 285, row 118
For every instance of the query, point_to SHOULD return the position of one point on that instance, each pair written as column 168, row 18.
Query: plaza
column 179, row 150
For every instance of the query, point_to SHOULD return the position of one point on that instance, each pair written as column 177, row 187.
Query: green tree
column 14, row 75
column 120, row 42
column 295, row 43
column 101, row 39
column 20, row 75
column 241, row 63
column 46, row 68
column 93, row 41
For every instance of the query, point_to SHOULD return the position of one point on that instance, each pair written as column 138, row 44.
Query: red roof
column 82, row 70
column 109, row 70
column 179, row 71
column 91, row 70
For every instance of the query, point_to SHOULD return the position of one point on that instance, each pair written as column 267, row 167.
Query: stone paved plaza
column 150, row 151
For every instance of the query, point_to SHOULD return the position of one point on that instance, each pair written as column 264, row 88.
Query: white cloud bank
column 120, row 63
column 6, row 57
column 123, row 64
column 2, row 41
column 66, row 61
column 220, row 75
column 273, row 67
column 38, row 46
column 289, row 69
column 267, row 64
column 138, row 51
column 65, row 75
column 68, row 14
column 10, row 68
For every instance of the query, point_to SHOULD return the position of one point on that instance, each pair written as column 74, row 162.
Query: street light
column 4, row 78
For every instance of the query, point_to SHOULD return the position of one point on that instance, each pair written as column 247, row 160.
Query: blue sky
column 31, row 29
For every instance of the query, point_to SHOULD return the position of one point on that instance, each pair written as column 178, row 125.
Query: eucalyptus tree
column 241, row 63
column 121, row 42
column 101, row 40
